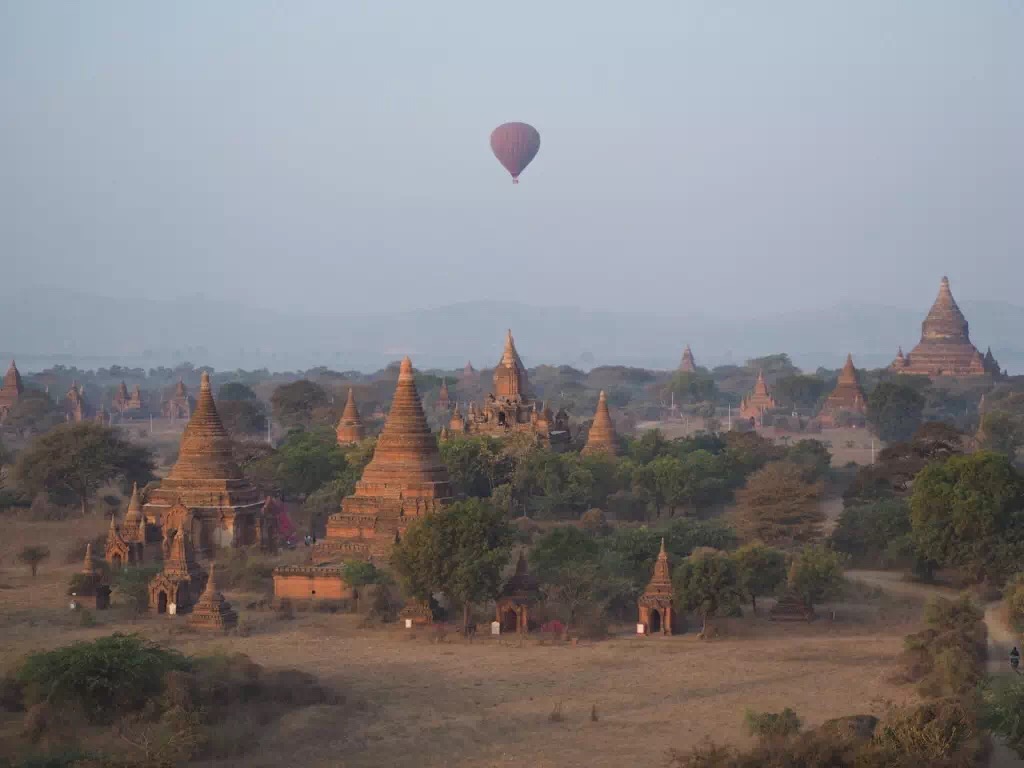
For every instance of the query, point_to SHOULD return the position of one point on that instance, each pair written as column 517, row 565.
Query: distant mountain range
column 90, row 331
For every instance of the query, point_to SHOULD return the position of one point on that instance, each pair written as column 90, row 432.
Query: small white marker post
column 640, row 629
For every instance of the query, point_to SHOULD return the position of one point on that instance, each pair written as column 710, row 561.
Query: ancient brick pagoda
column 212, row 611
column 444, row 401
column 119, row 551
column 12, row 390
column 655, row 604
column 517, row 596
column 509, row 409
column 123, row 401
column 76, row 409
column 469, row 373
column 350, row 426
column 847, row 398
column 405, row 480
column 754, row 405
column 180, row 404
column 177, row 588
column 208, row 483
column 945, row 348
column 602, row 438
column 687, row 364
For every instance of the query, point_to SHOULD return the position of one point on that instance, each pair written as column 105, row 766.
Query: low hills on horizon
column 90, row 331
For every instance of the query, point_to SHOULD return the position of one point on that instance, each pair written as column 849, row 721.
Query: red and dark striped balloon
column 515, row 145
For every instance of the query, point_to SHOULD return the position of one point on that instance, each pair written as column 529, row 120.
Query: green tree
column 968, row 513
column 894, row 410
column 1002, row 432
column 696, row 387
column 559, row 546
column 873, row 532
column 459, row 551
column 762, row 570
column 707, row 583
column 813, row 456
column 294, row 403
column 74, row 461
column 816, row 574
column 307, row 460
column 799, row 391
column 234, row 391
column 1003, row 710
column 778, row 506
column 243, row 417
column 1013, row 601
column 472, row 464
column 35, row 411
column 33, row 556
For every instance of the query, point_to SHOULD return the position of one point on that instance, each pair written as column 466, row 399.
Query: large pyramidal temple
column 405, row 480
column 226, row 510
column 509, row 408
column 945, row 348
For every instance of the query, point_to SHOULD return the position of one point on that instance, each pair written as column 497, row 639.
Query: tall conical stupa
column 847, row 397
column 404, row 480
column 207, row 481
column 350, row 426
column 601, row 438
column 945, row 348
column 510, row 379
column 688, row 364
column 12, row 389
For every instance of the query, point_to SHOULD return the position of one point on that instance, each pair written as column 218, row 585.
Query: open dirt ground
column 411, row 701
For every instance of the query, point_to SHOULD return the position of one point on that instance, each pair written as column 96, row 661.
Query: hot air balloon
column 515, row 145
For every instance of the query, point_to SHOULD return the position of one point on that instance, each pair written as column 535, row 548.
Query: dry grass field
column 412, row 700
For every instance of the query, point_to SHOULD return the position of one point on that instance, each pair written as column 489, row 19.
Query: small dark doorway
column 161, row 602
column 509, row 621
column 655, row 622
column 501, row 419
column 115, row 562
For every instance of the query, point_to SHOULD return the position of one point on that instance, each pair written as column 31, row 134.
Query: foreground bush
column 106, row 677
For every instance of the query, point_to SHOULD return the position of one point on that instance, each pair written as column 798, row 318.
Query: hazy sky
column 695, row 155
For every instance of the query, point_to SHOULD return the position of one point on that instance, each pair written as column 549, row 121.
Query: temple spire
column 350, row 427
column 602, row 438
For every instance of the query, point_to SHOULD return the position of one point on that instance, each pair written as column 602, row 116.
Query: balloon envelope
column 515, row 145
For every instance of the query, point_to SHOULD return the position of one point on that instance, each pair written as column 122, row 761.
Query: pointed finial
column 406, row 368
column 204, row 382
column 601, row 397
column 662, row 553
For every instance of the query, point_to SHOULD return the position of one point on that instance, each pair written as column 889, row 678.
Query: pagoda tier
column 601, row 438
column 945, row 348
column 847, row 397
column 207, row 481
column 12, row 390
column 405, row 480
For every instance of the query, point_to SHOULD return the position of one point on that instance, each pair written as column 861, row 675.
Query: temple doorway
column 115, row 562
column 655, row 622
column 161, row 602
column 501, row 419
column 509, row 621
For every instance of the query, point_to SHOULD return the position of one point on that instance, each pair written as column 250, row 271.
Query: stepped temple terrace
column 208, row 483
column 350, row 426
column 509, row 408
column 687, row 364
column 945, row 348
column 404, row 480
column 11, row 392
column 847, row 402
column 753, row 406
column 602, row 438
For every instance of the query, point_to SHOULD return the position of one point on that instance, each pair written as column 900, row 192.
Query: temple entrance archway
column 655, row 621
column 509, row 621
column 161, row 602
column 115, row 562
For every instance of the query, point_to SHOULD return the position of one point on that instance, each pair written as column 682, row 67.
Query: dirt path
column 1000, row 638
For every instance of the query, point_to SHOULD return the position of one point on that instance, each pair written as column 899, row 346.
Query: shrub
column 105, row 677
column 132, row 586
column 33, row 555
column 1013, row 602
column 1003, row 710
column 771, row 726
